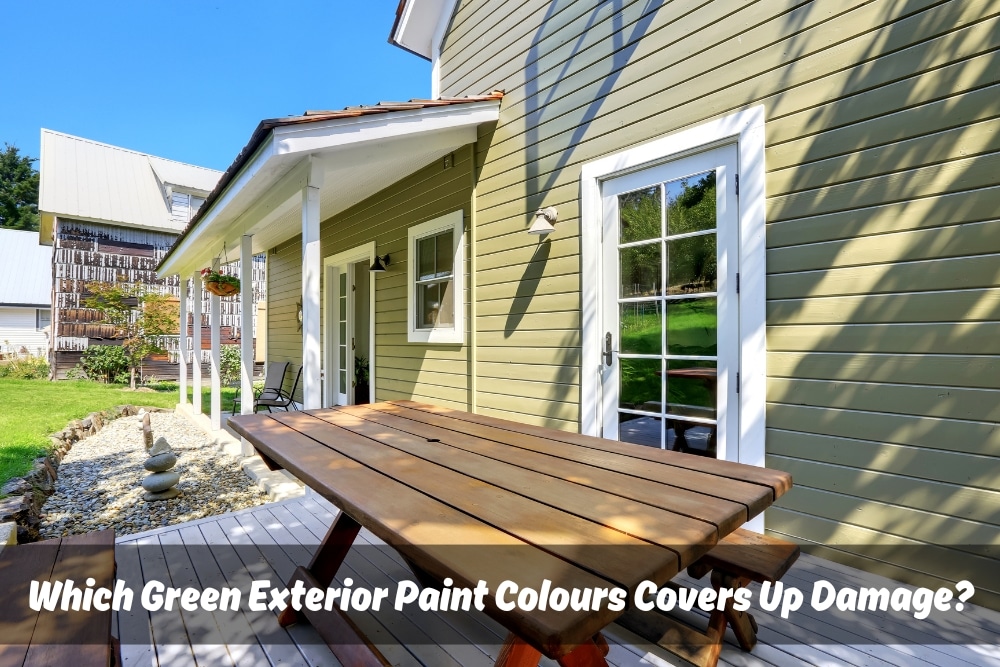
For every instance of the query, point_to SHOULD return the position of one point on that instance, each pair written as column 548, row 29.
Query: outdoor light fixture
column 544, row 223
column 378, row 266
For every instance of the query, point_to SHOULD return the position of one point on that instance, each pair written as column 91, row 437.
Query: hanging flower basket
column 219, row 284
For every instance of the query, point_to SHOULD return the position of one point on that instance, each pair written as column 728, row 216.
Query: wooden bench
column 734, row 562
column 741, row 557
column 78, row 638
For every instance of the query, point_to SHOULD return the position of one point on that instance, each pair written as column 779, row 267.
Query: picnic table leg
column 326, row 561
column 517, row 653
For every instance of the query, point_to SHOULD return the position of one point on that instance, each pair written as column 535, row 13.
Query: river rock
column 160, row 462
column 161, row 495
column 160, row 446
column 160, row 481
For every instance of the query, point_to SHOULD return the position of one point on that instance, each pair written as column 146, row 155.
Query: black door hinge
column 737, row 283
column 737, row 185
column 737, row 382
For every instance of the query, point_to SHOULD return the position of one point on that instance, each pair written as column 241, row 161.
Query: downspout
column 473, row 347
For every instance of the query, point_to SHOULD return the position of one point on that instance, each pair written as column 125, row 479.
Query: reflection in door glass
column 691, row 264
column 640, row 387
column 641, row 270
column 691, row 204
column 640, row 215
column 641, row 325
column 692, row 327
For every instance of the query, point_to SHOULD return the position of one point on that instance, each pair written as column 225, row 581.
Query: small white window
column 435, row 281
column 184, row 206
column 43, row 318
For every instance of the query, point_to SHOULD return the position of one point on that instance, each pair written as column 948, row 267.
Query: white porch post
column 196, row 314
column 214, row 323
column 311, row 268
column 246, row 325
column 183, row 342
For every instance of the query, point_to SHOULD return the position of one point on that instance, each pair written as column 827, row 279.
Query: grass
column 32, row 409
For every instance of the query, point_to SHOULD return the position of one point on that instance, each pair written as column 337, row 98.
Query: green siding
column 883, row 288
column 433, row 373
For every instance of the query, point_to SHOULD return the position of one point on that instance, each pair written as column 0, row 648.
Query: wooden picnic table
column 580, row 511
column 39, row 638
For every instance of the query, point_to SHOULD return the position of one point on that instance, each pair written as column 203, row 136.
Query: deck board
column 270, row 540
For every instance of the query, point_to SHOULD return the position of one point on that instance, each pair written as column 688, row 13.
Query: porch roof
column 358, row 150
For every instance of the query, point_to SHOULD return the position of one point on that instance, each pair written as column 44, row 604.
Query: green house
column 765, row 232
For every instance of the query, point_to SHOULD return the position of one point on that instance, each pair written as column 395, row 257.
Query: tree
column 18, row 190
column 139, row 319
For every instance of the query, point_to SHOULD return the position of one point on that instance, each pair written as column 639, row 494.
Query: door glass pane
column 690, row 437
column 692, row 327
column 640, row 270
column 641, row 327
column 445, row 254
column 639, row 430
column 691, row 265
column 640, row 215
column 691, row 204
column 691, row 388
column 640, row 384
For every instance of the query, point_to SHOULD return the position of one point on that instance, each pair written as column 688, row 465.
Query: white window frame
column 38, row 318
column 454, row 221
column 745, row 129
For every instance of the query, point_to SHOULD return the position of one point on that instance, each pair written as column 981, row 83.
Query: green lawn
column 32, row 409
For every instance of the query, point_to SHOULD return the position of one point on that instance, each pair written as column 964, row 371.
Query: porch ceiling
column 352, row 155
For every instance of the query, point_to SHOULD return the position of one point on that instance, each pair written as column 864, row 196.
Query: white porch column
column 215, row 323
column 311, row 269
column 197, row 291
column 246, row 325
column 183, row 342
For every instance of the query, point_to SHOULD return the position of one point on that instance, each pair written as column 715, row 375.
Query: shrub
column 106, row 363
column 229, row 364
column 25, row 368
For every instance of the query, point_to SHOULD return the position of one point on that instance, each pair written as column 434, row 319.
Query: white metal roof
column 88, row 180
column 25, row 269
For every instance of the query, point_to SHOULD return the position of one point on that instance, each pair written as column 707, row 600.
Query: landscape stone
column 161, row 495
column 160, row 446
column 160, row 481
column 160, row 462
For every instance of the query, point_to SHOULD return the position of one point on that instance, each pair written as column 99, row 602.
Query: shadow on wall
column 883, row 309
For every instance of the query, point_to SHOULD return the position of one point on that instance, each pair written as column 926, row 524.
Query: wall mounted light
column 378, row 266
column 544, row 223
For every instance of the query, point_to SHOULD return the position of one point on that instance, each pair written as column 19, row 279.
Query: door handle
column 607, row 349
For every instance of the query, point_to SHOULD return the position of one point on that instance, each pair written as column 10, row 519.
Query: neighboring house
column 25, row 293
column 775, row 243
column 111, row 214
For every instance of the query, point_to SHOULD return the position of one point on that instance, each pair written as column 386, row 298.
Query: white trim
column 419, row 23
column 746, row 129
column 444, row 20
column 312, row 387
column 246, row 325
column 451, row 335
column 273, row 168
column 361, row 253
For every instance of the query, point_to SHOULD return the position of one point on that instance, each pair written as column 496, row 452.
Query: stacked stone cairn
column 161, row 483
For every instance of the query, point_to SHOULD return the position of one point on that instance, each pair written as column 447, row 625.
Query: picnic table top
column 474, row 497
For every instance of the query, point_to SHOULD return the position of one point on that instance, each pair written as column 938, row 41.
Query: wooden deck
column 291, row 529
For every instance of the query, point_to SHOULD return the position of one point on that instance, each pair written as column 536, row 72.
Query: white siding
column 17, row 330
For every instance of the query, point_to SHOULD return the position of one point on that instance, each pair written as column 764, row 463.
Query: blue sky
column 190, row 79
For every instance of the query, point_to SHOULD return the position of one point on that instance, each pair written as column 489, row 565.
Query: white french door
column 344, row 335
column 348, row 323
column 670, row 312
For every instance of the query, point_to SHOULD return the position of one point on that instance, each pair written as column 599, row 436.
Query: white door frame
column 331, row 269
column 745, row 129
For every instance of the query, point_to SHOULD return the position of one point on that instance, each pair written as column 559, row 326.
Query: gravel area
column 99, row 481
